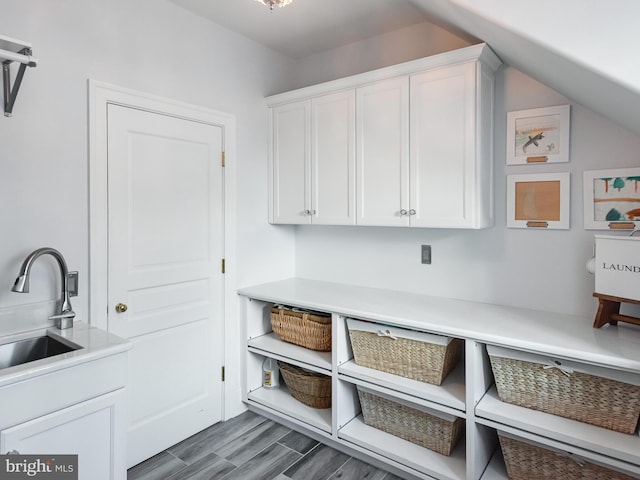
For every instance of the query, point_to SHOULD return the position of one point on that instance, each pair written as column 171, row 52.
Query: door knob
column 121, row 307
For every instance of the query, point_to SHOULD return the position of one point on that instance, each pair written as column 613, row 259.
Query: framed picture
column 538, row 135
column 538, row 201
column 612, row 199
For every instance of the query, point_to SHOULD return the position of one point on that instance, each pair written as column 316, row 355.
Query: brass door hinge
column 223, row 265
column 223, row 159
column 223, row 373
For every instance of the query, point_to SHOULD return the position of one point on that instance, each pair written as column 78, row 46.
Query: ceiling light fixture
column 275, row 3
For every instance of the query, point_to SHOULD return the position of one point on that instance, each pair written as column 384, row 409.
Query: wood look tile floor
column 251, row 447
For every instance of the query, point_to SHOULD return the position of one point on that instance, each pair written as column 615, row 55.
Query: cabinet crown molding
column 480, row 52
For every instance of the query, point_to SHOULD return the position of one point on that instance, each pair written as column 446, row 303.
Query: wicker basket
column 302, row 328
column 312, row 389
column 416, row 355
column 526, row 461
column 436, row 431
column 559, row 388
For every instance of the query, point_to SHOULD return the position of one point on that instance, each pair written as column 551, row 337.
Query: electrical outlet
column 73, row 284
column 426, row 254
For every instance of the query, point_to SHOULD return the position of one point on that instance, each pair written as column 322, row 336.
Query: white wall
column 147, row 45
column 586, row 49
column 417, row 41
column 542, row 270
column 154, row 46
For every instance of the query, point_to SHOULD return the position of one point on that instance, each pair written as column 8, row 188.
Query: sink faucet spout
column 65, row 316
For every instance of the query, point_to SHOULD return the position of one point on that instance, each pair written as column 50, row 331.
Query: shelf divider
column 407, row 453
column 280, row 400
column 272, row 346
column 450, row 393
column 582, row 435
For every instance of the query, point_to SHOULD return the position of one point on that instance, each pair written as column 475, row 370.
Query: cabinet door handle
column 412, row 212
column 403, row 212
column 313, row 212
column 307, row 212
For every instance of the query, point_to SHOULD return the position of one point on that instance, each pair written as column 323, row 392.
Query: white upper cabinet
column 450, row 178
column 290, row 163
column 418, row 152
column 313, row 161
column 333, row 166
column 382, row 132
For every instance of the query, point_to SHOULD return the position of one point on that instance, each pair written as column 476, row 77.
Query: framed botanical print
column 612, row 199
column 538, row 201
column 539, row 135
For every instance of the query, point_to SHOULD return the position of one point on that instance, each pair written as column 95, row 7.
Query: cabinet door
column 333, row 159
column 382, row 135
column 94, row 430
column 443, row 175
column 290, row 163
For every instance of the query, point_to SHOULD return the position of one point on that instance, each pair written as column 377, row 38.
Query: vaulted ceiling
column 584, row 49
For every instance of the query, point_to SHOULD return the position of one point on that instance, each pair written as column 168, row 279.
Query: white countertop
column 94, row 342
column 560, row 335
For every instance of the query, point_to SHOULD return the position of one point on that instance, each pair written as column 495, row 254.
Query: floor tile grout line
column 184, row 464
column 231, row 438
column 277, row 441
column 177, row 458
column 338, row 469
column 302, row 457
column 333, row 475
column 236, row 436
column 289, row 448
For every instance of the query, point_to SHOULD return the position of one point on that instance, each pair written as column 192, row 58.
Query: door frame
column 101, row 95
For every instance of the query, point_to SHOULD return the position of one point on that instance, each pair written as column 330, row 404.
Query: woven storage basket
column 416, row 355
column 526, row 461
column 312, row 389
column 559, row 388
column 302, row 328
column 438, row 432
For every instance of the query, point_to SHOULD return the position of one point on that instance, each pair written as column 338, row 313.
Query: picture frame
column 538, row 135
column 538, row 201
column 612, row 199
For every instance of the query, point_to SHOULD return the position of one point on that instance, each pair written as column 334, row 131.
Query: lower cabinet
column 85, row 429
column 383, row 417
column 78, row 410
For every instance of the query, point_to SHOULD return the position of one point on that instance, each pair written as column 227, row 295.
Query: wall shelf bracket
column 12, row 50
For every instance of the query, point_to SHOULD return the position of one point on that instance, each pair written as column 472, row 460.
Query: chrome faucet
column 64, row 319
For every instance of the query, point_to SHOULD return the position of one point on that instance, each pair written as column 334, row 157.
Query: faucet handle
column 64, row 320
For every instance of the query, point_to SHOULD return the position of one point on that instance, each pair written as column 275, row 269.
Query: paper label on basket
column 398, row 332
column 631, row 378
column 571, row 456
column 555, row 364
column 386, row 333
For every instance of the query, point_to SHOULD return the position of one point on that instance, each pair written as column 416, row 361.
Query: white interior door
column 165, row 247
